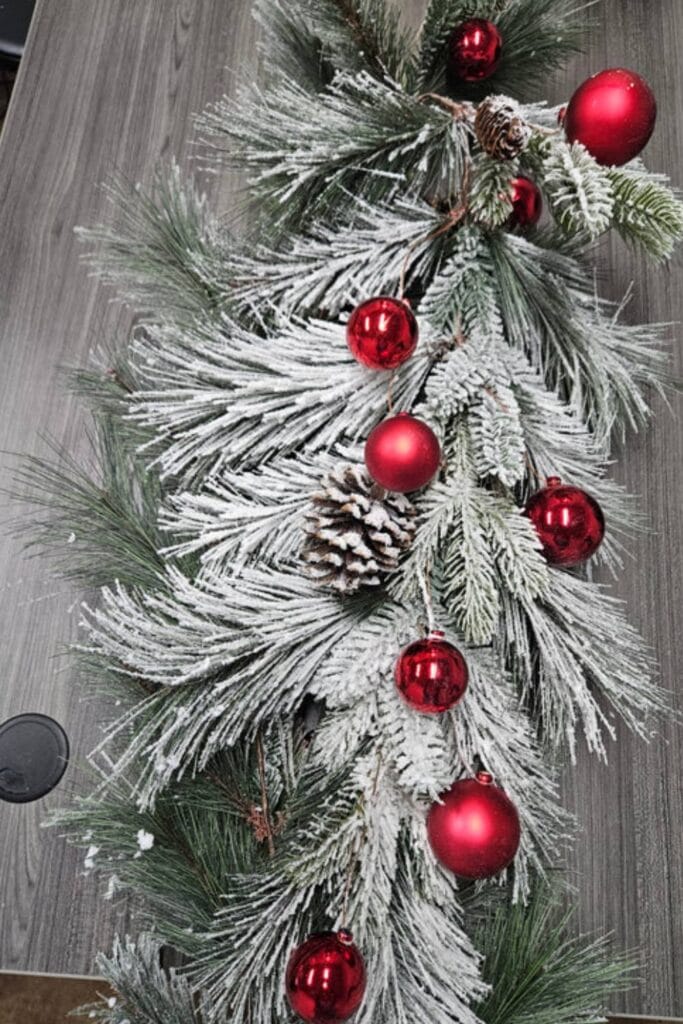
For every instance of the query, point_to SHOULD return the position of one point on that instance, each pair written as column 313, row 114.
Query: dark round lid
column 34, row 753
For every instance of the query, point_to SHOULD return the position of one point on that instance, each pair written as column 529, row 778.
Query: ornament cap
column 345, row 937
column 484, row 778
column 436, row 634
column 554, row 481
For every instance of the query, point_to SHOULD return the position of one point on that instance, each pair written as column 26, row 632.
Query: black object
column 34, row 753
column 15, row 18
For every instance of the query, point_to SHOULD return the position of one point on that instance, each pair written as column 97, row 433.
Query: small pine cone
column 355, row 531
column 500, row 128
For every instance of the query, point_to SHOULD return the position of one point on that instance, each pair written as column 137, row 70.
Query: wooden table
column 111, row 85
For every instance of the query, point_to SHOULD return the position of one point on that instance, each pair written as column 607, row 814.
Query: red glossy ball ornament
column 527, row 203
column 402, row 453
column 382, row 333
column 475, row 831
column 431, row 675
column 613, row 114
column 474, row 50
column 569, row 522
column 325, row 979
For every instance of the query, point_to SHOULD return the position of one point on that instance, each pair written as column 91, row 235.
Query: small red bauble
column 613, row 114
column 382, row 333
column 569, row 522
column 402, row 453
column 475, row 831
column 431, row 675
column 325, row 980
column 474, row 50
column 527, row 203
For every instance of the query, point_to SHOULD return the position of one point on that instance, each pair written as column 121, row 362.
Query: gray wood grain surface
column 111, row 85
column 105, row 86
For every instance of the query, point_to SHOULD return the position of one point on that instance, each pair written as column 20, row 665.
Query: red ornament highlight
column 382, row 333
column 569, row 522
column 325, row 980
column 527, row 203
column 474, row 50
column 431, row 675
column 475, row 832
column 613, row 114
column 402, row 453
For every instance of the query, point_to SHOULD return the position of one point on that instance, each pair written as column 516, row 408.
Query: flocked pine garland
column 265, row 779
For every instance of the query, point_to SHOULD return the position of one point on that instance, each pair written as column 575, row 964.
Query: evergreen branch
column 538, row 37
column 570, row 670
column 360, row 137
column 490, row 198
column 330, row 268
column 146, row 993
column 319, row 37
column 599, row 366
column 211, row 403
column 578, row 189
column 153, row 251
column 540, row 976
column 647, row 211
column 95, row 531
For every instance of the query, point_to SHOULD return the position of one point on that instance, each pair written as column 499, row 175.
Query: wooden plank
column 47, row 999
column 627, row 864
column 106, row 85
column 645, row 1020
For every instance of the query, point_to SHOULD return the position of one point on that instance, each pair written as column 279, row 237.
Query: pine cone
column 500, row 128
column 355, row 531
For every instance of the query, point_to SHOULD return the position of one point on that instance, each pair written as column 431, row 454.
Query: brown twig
column 265, row 806
column 460, row 111
column 451, row 221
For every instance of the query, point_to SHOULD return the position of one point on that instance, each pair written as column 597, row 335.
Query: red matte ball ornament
column 569, row 522
column 475, row 831
column 527, row 203
column 402, row 453
column 474, row 50
column 613, row 114
column 431, row 675
column 325, row 980
column 382, row 333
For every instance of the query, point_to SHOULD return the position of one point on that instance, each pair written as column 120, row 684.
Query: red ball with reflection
column 431, row 675
column 325, row 980
column 613, row 114
column 569, row 522
column 474, row 50
column 475, row 831
column 382, row 333
column 527, row 203
column 402, row 453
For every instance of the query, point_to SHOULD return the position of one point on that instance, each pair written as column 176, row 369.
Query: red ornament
column 475, row 832
column 402, row 453
column 527, row 203
column 474, row 50
column 325, row 980
column 382, row 333
column 613, row 114
column 561, row 115
column 431, row 675
column 569, row 522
